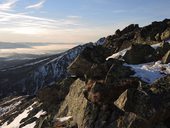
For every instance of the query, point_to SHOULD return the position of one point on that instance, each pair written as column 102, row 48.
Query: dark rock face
column 136, row 101
column 136, row 108
column 151, row 104
column 151, row 34
column 166, row 58
column 90, row 56
column 113, row 98
column 140, row 53
column 128, row 29
column 98, row 92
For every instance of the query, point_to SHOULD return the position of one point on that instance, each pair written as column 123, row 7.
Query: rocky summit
column 121, row 81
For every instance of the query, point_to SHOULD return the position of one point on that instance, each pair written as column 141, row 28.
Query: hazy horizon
column 9, row 49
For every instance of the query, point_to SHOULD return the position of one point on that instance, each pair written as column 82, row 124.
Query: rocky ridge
column 27, row 79
column 121, row 82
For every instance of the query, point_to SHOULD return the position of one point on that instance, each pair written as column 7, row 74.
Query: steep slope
column 115, row 94
column 30, row 77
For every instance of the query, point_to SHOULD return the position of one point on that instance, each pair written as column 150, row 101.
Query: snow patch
column 123, row 52
column 149, row 72
column 16, row 122
column 120, row 53
column 101, row 41
column 155, row 46
column 9, row 108
column 63, row 119
column 40, row 113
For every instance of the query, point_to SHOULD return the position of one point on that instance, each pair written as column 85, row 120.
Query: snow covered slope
column 15, row 112
column 30, row 77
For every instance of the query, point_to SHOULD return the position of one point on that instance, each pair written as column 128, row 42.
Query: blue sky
column 74, row 20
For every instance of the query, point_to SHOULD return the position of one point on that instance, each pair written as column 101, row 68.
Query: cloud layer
column 8, row 5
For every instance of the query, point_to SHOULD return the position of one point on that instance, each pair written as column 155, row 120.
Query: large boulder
column 136, row 101
column 117, row 72
column 79, row 67
column 74, row 104
column 151, row 103
column 139, row 53
column 99, row 92
column 128, row 29
column 100, row 71
column 91, row 55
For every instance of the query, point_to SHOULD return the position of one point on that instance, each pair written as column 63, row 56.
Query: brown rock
column 166, row 58
column 136, row 101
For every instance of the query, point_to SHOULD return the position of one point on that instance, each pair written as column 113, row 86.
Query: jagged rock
column 136, row 101
column 100, row 71
column 131, row 120
column 100, row 41
column 102, row 93
column 152, row 104
column 133, row 34
column 74, row 104
column 140, row 54
column 85, row 114
column 79, row 67
column 116, row 44
column 129, row 28
column 166, row 34
column 90, row 55
column 162, row 50
column 166, row 58
column 149, row 32
column 95, row 54
column 161, row 99
column 117, row 72
column 52, row 96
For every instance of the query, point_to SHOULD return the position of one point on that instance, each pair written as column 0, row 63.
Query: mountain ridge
column 121, row 81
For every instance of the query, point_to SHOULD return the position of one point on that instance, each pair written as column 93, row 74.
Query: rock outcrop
column 155, row 33
column 140, row 53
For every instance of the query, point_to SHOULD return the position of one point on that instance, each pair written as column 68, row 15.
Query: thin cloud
column 25, row 24
column 8, row 5
column 37, row 5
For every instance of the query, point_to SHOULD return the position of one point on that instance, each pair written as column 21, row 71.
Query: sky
column 70, row 21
